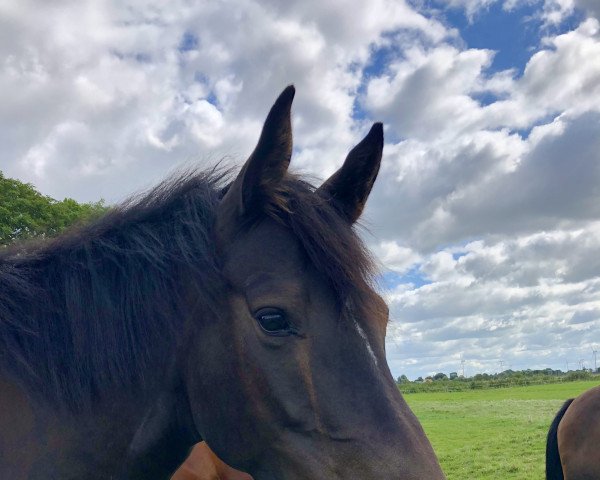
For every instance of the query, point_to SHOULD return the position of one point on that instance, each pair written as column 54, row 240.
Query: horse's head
column 290, row 380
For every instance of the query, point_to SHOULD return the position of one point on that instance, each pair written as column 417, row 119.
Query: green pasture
column 495, row 433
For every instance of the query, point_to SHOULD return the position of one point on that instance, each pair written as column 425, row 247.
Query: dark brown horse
column 573, row 445
column 242, row 315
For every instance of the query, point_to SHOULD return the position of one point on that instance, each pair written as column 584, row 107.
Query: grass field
column 495, row 433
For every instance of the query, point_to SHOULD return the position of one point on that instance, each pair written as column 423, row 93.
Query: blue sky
column 485, row 218
column 514, row 34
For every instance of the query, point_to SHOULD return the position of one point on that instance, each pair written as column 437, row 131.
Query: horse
column 238, row 312
column 572, row 451
column 203, row 464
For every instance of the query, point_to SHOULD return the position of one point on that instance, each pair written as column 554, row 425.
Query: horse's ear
column 267, row 164
column 350, row 186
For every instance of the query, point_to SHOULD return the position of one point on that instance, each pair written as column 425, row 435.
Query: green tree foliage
column 26, row 213
column 481, row 381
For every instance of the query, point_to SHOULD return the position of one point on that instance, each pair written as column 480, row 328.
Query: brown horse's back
column 579, row 437
column 203, row 464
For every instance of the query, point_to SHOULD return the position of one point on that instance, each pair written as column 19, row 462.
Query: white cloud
column 428, row 86
column 472, row 7
column 556, row 11
column 422, row 91
column 564, row 77
column 421, row 180
column 498, row 204
column 152, row 86
column 592, row 7
column 550, row 186
column 508, row 300
column 455, row 178
column 488, row 189
column 396, row 257
column 551, row 12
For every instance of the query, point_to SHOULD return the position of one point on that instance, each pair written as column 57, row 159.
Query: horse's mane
column 332, row 246
column 102, row 305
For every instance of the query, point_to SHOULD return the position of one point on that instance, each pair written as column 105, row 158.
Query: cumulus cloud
column 396, row 257
column 563, row 77
column 421, row 91
column 429, row 85
column 468, row 170
column 485, row 215
column 506, row 300
column 550, row 186
column 555, row 11
column 496, row 203
column 551, row 12
column 95, row 90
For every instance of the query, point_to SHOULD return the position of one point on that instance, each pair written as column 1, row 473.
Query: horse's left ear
column 264, row 169
column 350, row 186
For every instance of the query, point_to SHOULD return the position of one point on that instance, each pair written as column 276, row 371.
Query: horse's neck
column 163, row 440
column 40, row 442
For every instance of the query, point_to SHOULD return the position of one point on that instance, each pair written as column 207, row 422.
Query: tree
column 440, row 376
column 402, row 379
column 453, row 375
column 26, row 213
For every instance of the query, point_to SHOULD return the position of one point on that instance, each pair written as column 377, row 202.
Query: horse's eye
column 273, row 322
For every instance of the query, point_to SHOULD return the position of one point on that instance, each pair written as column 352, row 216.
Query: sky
column 485, row 218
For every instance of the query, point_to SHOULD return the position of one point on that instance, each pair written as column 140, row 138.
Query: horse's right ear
column 264, row 169
column 349, row 187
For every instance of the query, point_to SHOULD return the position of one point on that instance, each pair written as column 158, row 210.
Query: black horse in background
column 239, row 313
